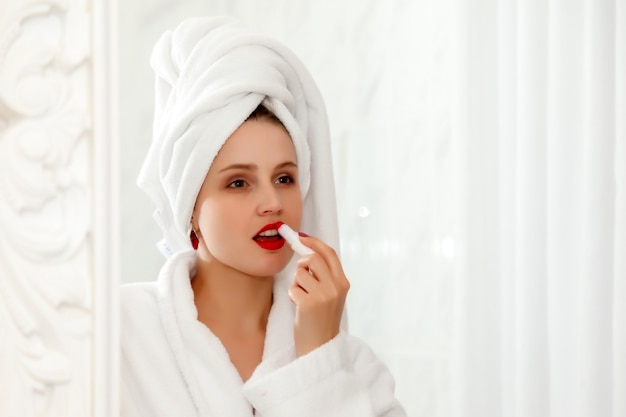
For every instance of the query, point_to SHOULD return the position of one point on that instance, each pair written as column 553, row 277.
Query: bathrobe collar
column 200, row 354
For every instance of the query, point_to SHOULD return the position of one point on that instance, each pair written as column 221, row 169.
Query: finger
column 305, row 280
column 297, row 295
column 328, row 254
column 316, row 265
column 332, row 279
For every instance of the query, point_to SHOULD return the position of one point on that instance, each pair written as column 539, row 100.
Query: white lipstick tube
column 294, row 240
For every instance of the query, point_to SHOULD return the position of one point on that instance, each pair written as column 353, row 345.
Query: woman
column 236, row 325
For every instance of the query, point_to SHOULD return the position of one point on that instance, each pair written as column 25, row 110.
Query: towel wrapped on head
column 211, row 73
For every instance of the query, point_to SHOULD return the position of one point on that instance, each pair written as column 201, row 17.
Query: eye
column 285, row 179
column 237, row 184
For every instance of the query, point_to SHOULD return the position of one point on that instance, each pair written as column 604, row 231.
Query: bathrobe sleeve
column 341, row 378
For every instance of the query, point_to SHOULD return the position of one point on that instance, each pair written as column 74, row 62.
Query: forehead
column 258, row 142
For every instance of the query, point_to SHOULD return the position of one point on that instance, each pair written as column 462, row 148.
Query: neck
column 227, row 298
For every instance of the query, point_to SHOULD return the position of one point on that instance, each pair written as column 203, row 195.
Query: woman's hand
column 319, row 292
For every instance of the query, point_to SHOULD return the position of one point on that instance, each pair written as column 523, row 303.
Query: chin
column 270, row 272
column 269, row 268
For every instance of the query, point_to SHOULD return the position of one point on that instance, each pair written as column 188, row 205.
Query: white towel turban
column 210, row 75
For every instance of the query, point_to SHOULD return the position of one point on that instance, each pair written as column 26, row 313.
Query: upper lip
column 269, row 226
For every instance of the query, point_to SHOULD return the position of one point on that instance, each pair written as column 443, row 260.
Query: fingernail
column 303, row 234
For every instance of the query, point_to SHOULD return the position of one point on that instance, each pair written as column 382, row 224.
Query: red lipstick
column 268, row 237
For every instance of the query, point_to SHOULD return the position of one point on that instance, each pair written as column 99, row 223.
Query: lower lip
column 271, row 244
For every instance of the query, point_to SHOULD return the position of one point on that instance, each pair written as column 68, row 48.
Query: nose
column 270, row 201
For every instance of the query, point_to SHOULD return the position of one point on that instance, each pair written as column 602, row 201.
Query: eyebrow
column 253, row 167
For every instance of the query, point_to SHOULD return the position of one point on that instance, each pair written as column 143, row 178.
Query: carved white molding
column 52, row 237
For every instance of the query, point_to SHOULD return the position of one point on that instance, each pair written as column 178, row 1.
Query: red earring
column 194, row 240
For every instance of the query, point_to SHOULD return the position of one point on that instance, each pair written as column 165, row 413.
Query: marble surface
column 383, row 69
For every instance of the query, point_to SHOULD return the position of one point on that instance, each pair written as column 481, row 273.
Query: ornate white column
column 58, row 202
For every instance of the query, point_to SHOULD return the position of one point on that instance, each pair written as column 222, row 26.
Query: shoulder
column 139, row 309
column 139, row 295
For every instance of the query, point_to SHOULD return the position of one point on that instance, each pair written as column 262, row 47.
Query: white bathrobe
column 174, row 366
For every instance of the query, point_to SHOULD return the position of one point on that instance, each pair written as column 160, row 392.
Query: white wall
column 382, row 67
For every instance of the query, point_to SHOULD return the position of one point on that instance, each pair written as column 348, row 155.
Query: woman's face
column 251, row 185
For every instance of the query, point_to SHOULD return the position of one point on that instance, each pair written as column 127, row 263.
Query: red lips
column 272, row 242
column 270, row 226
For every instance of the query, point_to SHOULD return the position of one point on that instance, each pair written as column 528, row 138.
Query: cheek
column 217, row 218
column 293, row 207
